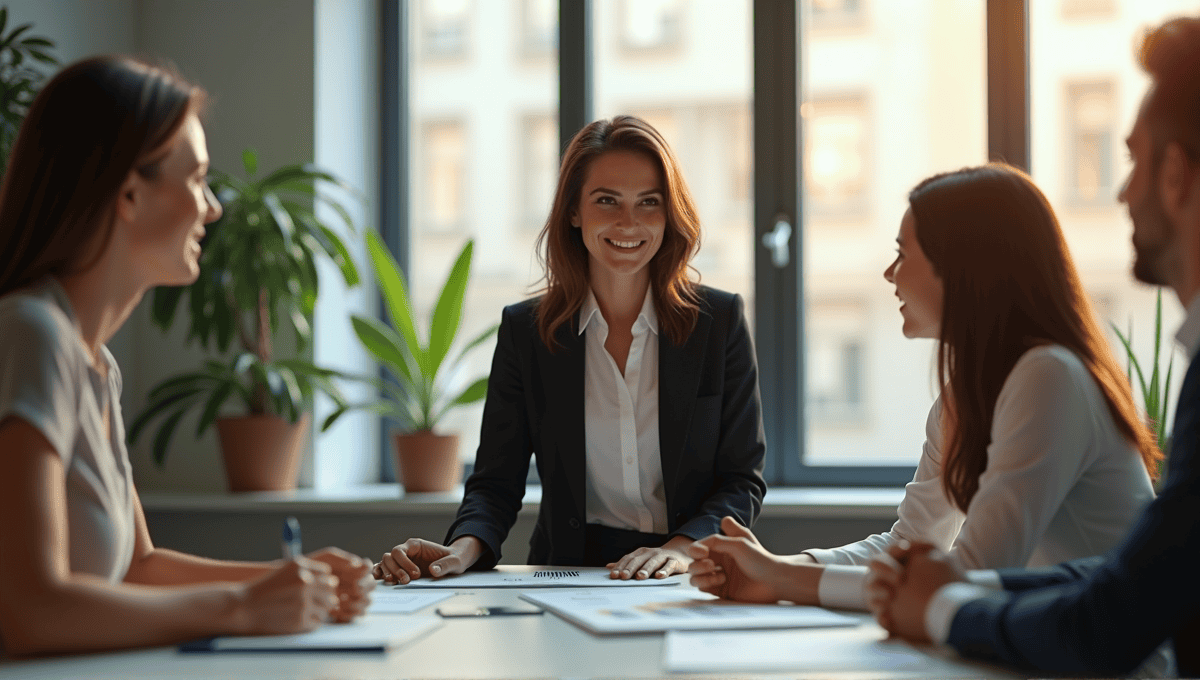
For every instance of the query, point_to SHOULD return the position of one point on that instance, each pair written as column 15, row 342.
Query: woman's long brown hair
column 564, row 258
column 1010, row 285
column 95, row 122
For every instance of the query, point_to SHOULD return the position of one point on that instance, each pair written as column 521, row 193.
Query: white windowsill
column 784, row 502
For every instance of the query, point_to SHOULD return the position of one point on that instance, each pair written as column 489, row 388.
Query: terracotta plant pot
column 427, row 462
column 262, row 453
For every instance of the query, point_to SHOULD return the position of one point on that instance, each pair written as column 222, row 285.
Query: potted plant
column 1157, row 390
column 414, row 394
column 19, row 80
column 257, row 270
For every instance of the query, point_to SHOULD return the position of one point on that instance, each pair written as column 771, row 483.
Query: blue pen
column 291, row 539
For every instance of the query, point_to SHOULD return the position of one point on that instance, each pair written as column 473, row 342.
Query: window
column 444, row 145
column 1075, row 10
column 837, row 154
column 699, row 100
column 1090, row 114
column 540, row 176
column 836, row 14
column 885, row 107
column 651, row 24
column 483, row 158
column 837, row 351
column 1085, row 75
column 844, row 124
column 445, row 27
column 539, row 27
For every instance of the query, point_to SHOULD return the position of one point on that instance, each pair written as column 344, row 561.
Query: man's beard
column 1148, row 257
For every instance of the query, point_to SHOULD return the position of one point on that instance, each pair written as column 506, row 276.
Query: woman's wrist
column 798, row 581
column 234, row 609
column 469, row 548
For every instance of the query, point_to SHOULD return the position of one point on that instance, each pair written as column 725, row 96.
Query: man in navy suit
column 1101, row 615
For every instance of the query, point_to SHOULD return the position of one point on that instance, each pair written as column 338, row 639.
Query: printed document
column 643, row 610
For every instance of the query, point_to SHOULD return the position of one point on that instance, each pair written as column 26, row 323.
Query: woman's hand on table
column 645, row 563
column 417, row 557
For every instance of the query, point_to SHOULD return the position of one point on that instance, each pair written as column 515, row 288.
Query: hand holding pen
column 354, row 581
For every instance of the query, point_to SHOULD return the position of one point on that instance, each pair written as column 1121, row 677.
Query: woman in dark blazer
column 635, row 388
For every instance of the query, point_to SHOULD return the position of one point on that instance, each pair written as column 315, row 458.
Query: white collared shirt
column 624, row 468
column 1062, row 482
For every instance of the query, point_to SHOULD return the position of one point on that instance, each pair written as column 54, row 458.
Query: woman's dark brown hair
column 1010, row 285
column 564, row 258
column 95, row 122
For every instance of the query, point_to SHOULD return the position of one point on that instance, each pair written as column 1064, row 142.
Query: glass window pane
column 1085, row 88
column 484, row 159
column 656, row 60
column 893, row 91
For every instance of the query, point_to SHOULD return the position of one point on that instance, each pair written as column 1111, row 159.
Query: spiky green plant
column 1155, row 390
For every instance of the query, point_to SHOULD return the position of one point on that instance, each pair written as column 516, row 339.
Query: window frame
column 775, row 193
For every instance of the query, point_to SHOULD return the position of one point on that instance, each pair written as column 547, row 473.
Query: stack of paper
column 365, row 634
column 641, row 610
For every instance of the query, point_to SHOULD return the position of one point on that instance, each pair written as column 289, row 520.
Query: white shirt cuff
column 841, row 586
column 988, row 578
column 944, row 605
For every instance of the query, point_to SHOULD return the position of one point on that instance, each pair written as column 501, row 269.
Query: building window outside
column 838, row 14
column 837, row 353
column 445, row 28
column 539, row 27
column 1076, row 10
column 650, row 25
column 444, row 161
column 1091, row 121
column 541, row 159
column 837, row 152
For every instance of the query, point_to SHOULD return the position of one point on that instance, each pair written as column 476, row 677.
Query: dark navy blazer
column 710, row 433
column 1105, row 615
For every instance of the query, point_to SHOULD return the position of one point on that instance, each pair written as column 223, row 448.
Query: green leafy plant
column 20, row 80
column 415, row 395
column 258, row 269
column 1155, row 390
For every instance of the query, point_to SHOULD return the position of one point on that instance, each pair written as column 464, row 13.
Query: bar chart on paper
column 647, row 610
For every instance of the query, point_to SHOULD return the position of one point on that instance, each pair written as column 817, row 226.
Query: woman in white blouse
column 106, row 197
column 635, row 388
column 1034, row 451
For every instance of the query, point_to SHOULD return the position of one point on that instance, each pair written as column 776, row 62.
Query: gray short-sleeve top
column 47, row 380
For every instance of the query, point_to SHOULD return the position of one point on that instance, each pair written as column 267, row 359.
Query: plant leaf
column 250, row 161
column 212, row 407
column 391, row 283
column 163, row 438
column 447, row 314
column 384, row 344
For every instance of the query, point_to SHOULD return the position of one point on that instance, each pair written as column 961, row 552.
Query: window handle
column 777, row 240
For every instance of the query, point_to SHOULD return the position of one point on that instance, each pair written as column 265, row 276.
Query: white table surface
column 542, row 646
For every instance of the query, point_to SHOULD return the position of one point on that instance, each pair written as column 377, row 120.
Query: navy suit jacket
column 710, row 432
column 1105, row 615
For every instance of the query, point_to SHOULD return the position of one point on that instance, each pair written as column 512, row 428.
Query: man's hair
column 1170, row 54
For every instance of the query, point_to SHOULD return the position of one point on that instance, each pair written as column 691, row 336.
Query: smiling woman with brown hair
column 106, row 197
column 635, row 388
column 1034, row 451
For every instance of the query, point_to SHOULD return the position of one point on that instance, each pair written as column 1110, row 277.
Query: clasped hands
column 900, row 584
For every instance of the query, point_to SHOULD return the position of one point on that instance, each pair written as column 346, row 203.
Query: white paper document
column 397, row 600
column 647, row 610
column 365, row 634
column 790, row 650
column 540, row 577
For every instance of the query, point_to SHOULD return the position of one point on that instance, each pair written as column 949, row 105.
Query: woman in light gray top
column 106, row 197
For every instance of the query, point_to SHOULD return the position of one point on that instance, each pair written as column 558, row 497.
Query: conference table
column 542, row 646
